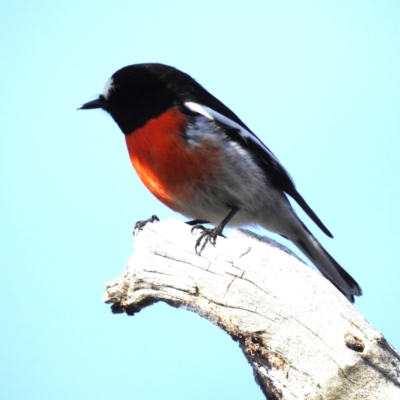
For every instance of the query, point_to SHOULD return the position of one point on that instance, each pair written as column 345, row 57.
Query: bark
column 302, row 337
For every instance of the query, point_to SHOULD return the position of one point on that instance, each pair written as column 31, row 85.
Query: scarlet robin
column 198, row 158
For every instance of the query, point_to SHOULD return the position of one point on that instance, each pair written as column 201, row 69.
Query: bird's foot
column 141, row 224
column 209, row 235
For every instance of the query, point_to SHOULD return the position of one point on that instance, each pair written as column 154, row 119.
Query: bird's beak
column 98, row 103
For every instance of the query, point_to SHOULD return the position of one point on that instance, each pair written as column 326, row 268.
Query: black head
column 137, row 93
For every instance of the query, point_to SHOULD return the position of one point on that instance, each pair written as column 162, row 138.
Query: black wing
column 264, row 157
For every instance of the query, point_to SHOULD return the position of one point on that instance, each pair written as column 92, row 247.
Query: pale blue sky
column 318, row 82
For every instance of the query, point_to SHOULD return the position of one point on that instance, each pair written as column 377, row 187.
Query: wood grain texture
column 302, row 337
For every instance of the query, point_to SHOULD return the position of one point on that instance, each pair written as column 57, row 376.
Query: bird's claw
column 210, row 235
column 141, row 224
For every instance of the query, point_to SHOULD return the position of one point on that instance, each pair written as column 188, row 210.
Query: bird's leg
column 197, row 222
column 141, row 224
column 210, row 235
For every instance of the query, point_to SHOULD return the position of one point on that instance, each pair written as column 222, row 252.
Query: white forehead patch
column 108, row 87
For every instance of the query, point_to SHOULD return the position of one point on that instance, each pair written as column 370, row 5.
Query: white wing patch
column 214, row 115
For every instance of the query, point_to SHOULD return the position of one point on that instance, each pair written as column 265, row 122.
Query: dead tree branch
column 300, row 334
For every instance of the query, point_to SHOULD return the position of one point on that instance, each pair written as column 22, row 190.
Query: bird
column 199, row 158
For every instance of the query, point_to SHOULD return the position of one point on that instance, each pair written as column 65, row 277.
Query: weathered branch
column 302, row 337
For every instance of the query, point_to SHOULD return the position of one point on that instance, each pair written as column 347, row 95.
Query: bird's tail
column 310, row 246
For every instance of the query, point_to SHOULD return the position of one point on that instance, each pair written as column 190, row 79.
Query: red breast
column 167, row 164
